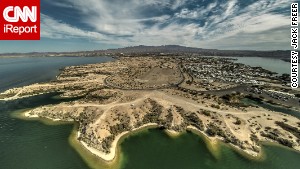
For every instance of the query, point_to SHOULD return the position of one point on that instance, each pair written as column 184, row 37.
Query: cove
column 153, row 149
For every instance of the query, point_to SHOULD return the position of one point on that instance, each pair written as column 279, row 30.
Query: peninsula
column 201, row 94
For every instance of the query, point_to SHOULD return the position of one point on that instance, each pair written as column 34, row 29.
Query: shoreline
column 106, row 112
column 212, row 143
column 16, row 96
column 111, row 156
column 21, row 97
column 27, row 115
column 172, row 133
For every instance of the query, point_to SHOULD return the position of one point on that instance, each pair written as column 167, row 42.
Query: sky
column 77, row 25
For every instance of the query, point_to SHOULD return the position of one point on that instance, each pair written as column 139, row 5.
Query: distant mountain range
column 174, row 50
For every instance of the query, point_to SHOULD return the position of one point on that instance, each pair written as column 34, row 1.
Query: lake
column 16, row 72
column 271, row 107
column 154, row 149
column 35, row 145
column 274, row 65
column 32, row 144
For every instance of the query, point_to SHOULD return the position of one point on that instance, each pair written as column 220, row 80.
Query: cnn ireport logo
column 20, row 20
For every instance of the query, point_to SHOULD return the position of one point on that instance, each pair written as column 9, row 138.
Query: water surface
column 154, row 149
column 34, row 145
column 274, row 65
column 16, row 72
column 271, row 107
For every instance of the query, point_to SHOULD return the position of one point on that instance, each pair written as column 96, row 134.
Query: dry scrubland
column 131, row 93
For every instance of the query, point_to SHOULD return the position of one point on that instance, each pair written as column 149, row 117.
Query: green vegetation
column 214, row 130
column 275, row 137
column 233, row 99
column 289, row 128
column 153, row 116
column 238, row 121
column 193, row 119
column 206, row 113
column 106, row 143
column 215, row 106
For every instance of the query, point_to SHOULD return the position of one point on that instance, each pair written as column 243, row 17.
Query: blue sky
column 74, row 25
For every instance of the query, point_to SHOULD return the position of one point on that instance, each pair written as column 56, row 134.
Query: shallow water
column 34, row 145
column 155, row 149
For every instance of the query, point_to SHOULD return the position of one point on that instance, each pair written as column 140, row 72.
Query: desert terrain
column 175, row 94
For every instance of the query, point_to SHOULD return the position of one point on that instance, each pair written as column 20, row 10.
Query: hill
column 174, row 50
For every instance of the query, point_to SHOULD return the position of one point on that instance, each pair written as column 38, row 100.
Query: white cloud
column 196, row 13
column 61, row 4
column 123, row 22
column 267, row 40
column 54, row 29
column 252, row 19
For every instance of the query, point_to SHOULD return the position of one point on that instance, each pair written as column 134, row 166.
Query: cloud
column 195, row 13
column 51, row 28
column 199, row 23
column 60, row 4
column 121, row 17
column 254, row 18
column 274, row 39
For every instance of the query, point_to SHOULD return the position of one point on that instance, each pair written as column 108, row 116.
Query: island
column 204, row 95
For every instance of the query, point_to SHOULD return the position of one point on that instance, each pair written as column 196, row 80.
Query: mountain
column 182, row 50
column 172, row 50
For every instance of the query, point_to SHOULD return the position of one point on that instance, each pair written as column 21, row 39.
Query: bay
column 35, row 145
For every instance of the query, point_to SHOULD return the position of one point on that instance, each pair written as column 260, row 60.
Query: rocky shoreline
column 106, row 113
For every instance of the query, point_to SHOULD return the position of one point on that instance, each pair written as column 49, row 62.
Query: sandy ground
column 253, row 118
column 105, row 111
column 110, row 156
